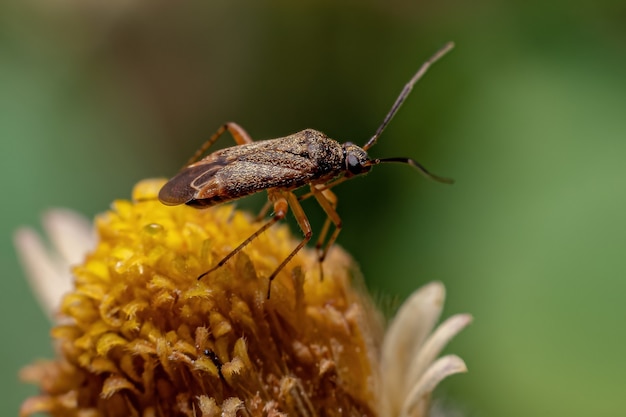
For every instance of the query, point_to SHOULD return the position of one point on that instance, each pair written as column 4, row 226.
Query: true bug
column 281, row 166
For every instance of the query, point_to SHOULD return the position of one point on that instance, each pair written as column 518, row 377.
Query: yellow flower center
column 146, row 337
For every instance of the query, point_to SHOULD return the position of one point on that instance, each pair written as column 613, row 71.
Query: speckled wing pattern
column 235, row 172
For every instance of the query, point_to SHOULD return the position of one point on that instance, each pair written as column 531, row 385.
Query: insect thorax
column 326, row 154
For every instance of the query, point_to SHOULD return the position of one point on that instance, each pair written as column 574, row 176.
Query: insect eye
column 353, row 164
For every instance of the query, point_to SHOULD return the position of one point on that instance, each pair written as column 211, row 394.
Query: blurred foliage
column 527, row 114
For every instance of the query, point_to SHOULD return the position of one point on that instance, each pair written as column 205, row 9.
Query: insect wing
column 185, row 185
column 239, row 171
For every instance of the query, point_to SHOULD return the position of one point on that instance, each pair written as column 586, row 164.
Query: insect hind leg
column 238, row 133
column 280, row 211
column 281, row 200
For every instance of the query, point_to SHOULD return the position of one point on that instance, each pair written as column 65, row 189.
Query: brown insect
column 281, row 166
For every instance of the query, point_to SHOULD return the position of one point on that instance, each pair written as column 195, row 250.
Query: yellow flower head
column 140, row 335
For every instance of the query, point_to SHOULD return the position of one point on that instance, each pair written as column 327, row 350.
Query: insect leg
column 328, row 200
column 237, row 132
column 280, row 211
column 263, row 211
column 318, row 245
column 303, row 222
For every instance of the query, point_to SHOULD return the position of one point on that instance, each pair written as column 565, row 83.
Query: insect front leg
column 240, row 136
column 291, row 199
column 328, row 200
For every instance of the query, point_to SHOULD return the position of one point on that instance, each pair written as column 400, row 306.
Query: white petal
column 417, row 400
column 43, row 271
column 407, row 332
column 432, row 347
column 48, row 270
column 70, row 233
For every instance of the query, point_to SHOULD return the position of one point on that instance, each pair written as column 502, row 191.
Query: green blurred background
column 528, row 114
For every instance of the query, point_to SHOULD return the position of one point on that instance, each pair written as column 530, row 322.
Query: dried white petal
column 407, row 332
column 433, row 346
column 417, row 400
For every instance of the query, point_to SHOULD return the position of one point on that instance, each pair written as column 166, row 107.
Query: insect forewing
column 181, row 189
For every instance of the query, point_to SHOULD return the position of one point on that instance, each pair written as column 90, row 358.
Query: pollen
column 140, row 335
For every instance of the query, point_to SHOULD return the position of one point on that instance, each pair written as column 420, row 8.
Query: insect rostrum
column 280, row 166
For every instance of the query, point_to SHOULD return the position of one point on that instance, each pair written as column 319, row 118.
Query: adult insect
column 280, row 166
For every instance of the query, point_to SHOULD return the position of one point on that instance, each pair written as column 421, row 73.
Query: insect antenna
column 403, row 95
column 426, row 173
